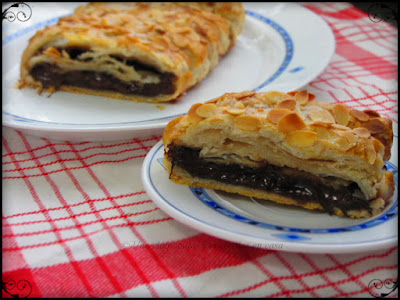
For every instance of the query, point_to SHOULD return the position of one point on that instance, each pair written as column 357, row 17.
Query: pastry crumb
column 161, row 107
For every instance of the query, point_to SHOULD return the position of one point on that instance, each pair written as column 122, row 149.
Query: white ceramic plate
column 263, row 224
column 272, row 53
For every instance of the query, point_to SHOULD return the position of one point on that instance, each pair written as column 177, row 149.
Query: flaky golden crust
column 184, row 39
column 289, row 130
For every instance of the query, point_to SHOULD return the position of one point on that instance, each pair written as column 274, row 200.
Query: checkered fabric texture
column 78, row 223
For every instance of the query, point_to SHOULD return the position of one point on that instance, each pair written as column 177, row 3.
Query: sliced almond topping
column 302, row 97
column 273, row 97
column 291, row 122
column 321, row 115
column 239, row 104
column 245, row 94
column 341, row 114
column 301, row 138
column 343, row 144
column 378, row 146
column 372, row 113
column 362, row 132
column 235, row 111
column 288, row 104
column 370, row 153
column 215, row 100
column 319, row 123
column 324, row 133
column 375, row 126
column 192, row 111
column 276, row 114
column 248, row 122
column 360, row 115
column 350, row 136
column 340, row 127
column 206, row 110
column 311, row 96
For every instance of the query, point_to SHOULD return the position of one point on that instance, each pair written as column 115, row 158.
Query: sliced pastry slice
column 285, row 147
column 139, row 51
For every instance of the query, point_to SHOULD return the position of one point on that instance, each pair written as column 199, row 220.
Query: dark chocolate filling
column 298, row 185
column 52, row 76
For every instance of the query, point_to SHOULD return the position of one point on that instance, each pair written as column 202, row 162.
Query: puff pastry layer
column 285, row 147
column 140, row 51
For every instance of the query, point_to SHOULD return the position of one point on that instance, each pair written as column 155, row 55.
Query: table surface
column 78, row 223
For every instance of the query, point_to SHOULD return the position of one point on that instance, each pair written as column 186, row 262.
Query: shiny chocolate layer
column 52, row 76
column 300, row 186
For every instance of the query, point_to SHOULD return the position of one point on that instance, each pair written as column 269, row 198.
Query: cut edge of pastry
column 180, row 176
column 84, row 53
column 336, row 143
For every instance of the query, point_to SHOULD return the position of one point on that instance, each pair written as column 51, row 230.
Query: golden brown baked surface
column 138, row 51
column 327, row 150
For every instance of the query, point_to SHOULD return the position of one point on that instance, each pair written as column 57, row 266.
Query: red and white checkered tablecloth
column 78, row 223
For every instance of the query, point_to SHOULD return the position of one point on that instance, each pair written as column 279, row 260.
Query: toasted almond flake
column 372, row 113
column 362, row 132
column 324, row 133
column 341, row 114
column 320, row 124
column 245, row 94
column 212, row 101
column 343, row 144
column 239, row 104
column 273, row 97
column 370, row 153
column 301, row 97
column 350, row 136
column 360, row 115
column 288, row 104
column 248, row 122
column 276, row 114
column 379, row 147
column 311, row 96
column 235, row 111
column 206, row 110
column 375, row 126
column 340, row 127
column 321, row 115
column 192, row 111
column 291, row 122
column 301, row 138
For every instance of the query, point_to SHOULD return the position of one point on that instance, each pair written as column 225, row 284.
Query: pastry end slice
column 148, row 52
column 285, row 147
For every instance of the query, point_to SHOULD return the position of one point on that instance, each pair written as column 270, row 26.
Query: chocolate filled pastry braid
column 285, row 147
column 151, row 52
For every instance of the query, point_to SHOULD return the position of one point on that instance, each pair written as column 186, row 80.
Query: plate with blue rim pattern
column 272, row 53
column 264, row 224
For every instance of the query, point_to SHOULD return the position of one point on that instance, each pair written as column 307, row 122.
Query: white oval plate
column 274, row 52
column 264, row 224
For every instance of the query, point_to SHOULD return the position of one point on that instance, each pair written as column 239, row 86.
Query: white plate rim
column 158, row 125
column 223, row 233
